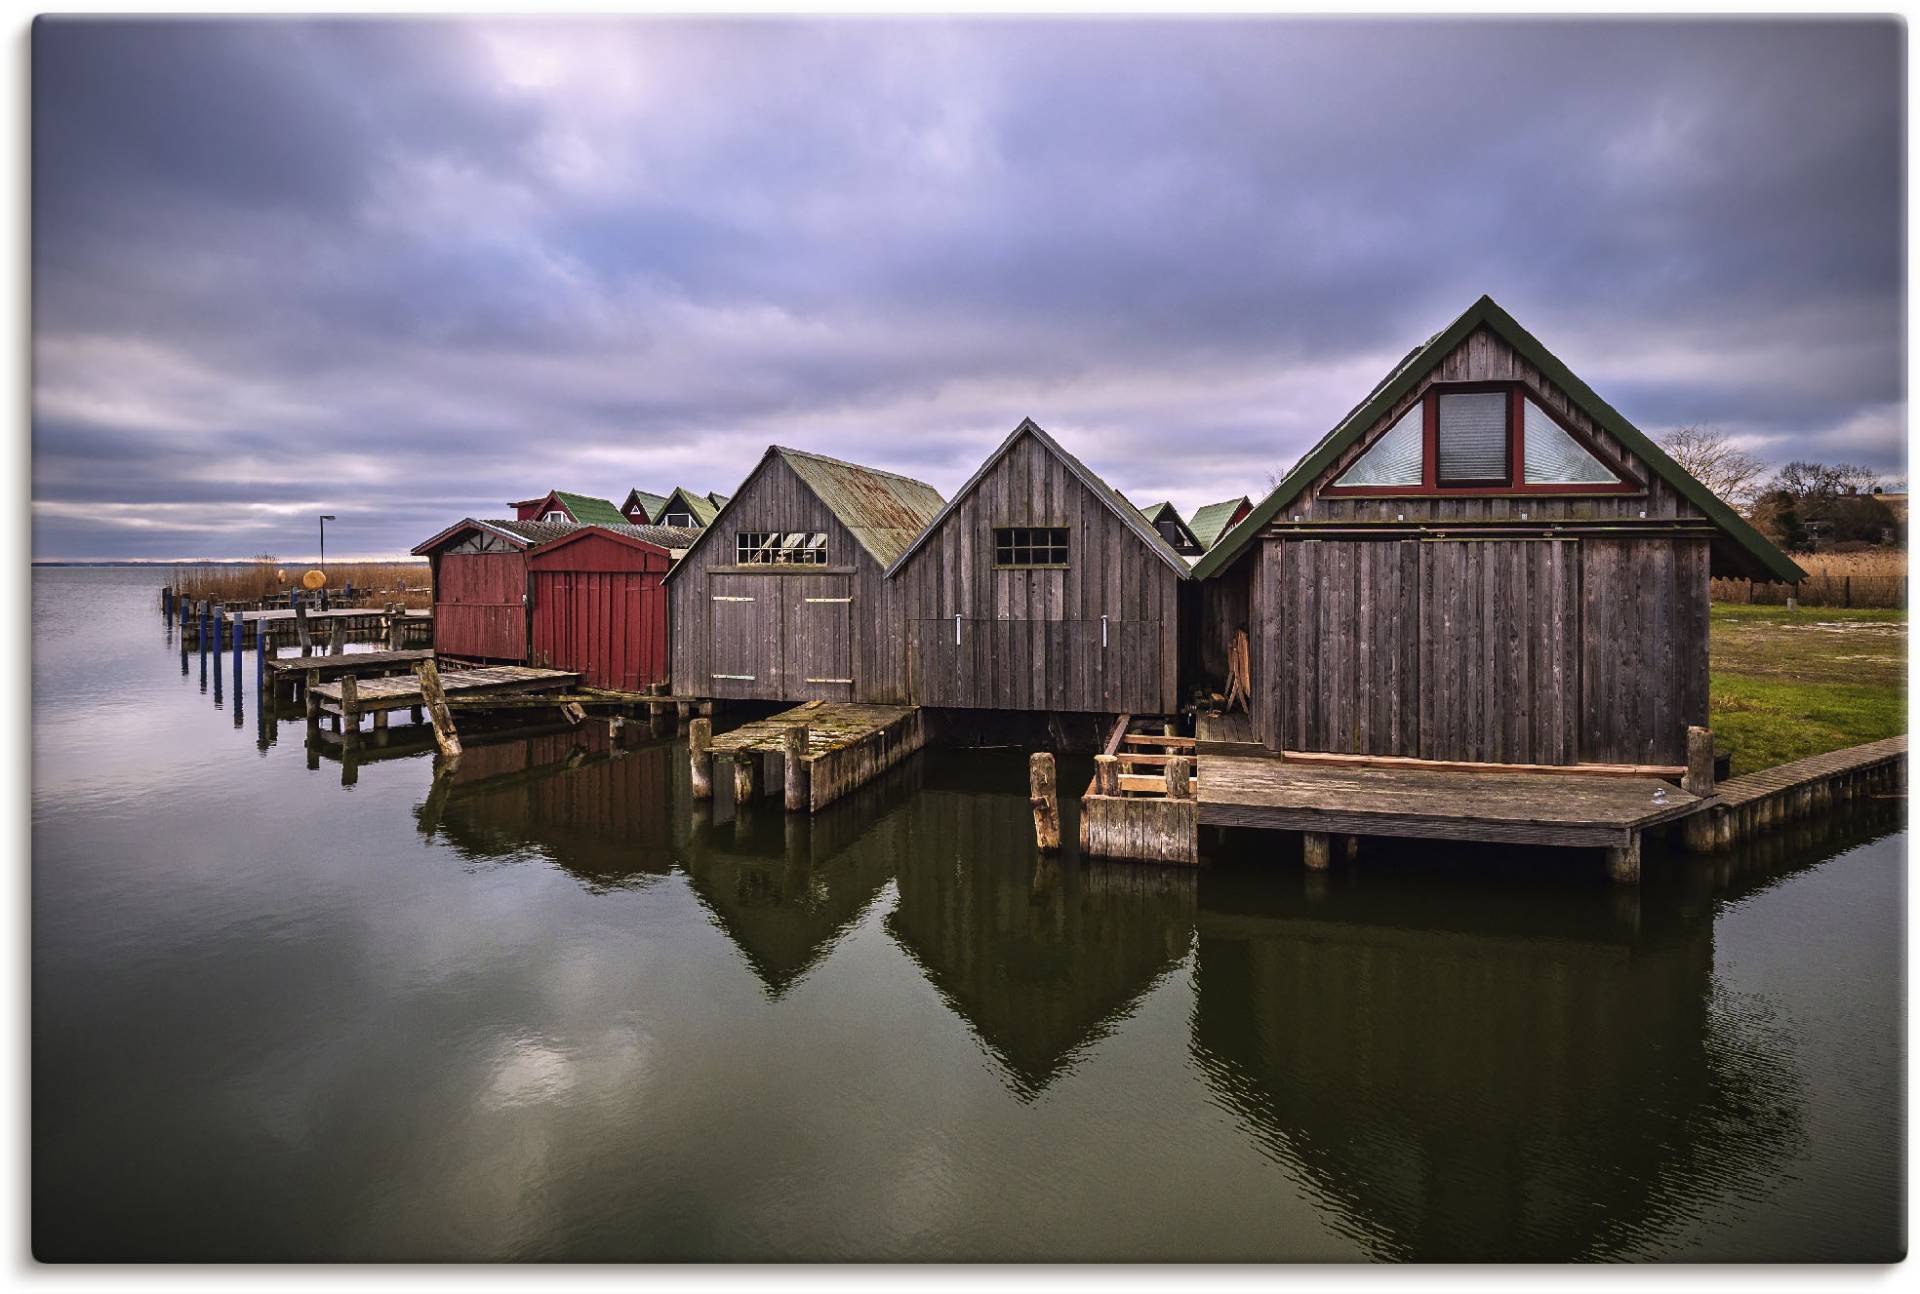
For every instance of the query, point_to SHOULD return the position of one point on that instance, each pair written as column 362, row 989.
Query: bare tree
column 1711, row 458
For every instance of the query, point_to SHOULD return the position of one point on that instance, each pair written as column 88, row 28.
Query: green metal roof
column 882, row 510
column 1211, row 521
column 649, row 503
column 1749, row 547
column 589, row 511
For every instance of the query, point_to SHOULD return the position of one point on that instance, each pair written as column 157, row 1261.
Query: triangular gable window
column 1397, row 458
column 1555, row 458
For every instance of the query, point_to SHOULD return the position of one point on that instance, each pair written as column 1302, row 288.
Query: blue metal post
column 239, row 632
column 206, row 629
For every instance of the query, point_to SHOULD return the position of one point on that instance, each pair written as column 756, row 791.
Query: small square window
column 1030, row 546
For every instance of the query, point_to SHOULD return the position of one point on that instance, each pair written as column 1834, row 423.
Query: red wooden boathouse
column 600, row 604
column 480, row 610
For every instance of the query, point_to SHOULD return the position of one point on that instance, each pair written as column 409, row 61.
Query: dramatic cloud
column 405, row 271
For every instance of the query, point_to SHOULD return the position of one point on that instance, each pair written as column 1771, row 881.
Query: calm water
column 286, row 1008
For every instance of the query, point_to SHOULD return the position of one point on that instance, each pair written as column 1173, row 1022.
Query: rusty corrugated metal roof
column 885, row 511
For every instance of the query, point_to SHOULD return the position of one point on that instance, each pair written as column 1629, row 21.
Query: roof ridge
column 786, row 450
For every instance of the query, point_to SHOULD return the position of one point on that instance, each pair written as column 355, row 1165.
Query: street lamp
column 325, row 517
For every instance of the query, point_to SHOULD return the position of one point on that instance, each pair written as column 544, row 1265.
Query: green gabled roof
column 649, row 503
column 589, row 511
column 1408, row 374
column 1153, row 510
column 698, row 506
column 718, row 499
column 1211, row 521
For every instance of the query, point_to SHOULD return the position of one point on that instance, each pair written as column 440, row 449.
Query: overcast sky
column 404, row 272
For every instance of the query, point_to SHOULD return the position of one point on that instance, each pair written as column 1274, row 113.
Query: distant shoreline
column 228, row 561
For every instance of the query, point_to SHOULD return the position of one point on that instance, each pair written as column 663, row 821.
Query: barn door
column 1499, row 651
column 743, row 624
column 817, row 637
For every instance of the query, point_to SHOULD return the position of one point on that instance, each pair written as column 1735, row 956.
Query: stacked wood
column 1239, row 673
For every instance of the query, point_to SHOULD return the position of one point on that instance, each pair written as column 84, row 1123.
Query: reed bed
column 1873, row 578
column 372, row 582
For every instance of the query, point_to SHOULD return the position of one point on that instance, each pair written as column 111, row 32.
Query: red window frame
column 1515, row 481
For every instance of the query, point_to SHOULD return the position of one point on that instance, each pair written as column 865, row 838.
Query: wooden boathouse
column 784, row 597
column 1482, row 562
column 599, row 603
column 1040, row 588
column 480, row 605
column 562, row 507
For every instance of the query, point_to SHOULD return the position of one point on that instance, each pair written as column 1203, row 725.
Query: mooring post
column 1179, row 778
column 1044, row 793
column 1697, row 830
column 1316, row 849
column 396, row 629
column 793, row 754
column 313, row 698
column 700, row 757
column 301, row 629
column 1623, row 861
column 437, row 709
column 205, row 627
column 1106, row 775
column 350, row 705
column 742, row 779
column 1350, row 846
column 336, row 637
column 239, row 632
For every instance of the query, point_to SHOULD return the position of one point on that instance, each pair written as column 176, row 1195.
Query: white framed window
column 780, row 548
column 556, row 516
column 682, row 519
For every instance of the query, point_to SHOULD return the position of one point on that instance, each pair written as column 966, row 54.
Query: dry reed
column 372, row 582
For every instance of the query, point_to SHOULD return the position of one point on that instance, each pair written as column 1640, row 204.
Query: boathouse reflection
column 1528, row 1072
column 1039, row 957
column 785, row 887
column 601, row 809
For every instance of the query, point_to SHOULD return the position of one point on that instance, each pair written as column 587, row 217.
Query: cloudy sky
column 405, row 272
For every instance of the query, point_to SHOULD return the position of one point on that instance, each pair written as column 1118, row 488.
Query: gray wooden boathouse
column 1040, row 588
column 1483, row 561
column 784, row 596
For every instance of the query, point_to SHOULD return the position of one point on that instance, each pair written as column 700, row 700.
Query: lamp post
column 325, row 517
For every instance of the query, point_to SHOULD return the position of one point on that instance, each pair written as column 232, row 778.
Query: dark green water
column 542, row 1009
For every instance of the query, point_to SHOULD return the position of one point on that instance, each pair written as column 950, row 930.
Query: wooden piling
column 312, row 697
column 437, row 708
column 1106, row 775
column 1043, row 780
column 742, row 781
column 1623, row 861
column 336, row 637
column 1179, row 780
column 700, row 757
column 793, row 754
column 1317, row 850
column 396, row 630
column 302, row 630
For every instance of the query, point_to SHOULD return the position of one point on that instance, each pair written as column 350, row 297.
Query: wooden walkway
column 1754, row 801
column 403, row 691
column 282, row 626
column 846, row 746
column 1567, row 809
column 291, row 671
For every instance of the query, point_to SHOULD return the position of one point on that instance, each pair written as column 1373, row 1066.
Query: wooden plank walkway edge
column 1751, row 802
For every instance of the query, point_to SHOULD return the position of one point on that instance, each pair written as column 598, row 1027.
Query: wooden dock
column 427, row 691
column 1752, row 802
column 1140, row 804
column 282, row 627
column 832, row 747
column 289, row 673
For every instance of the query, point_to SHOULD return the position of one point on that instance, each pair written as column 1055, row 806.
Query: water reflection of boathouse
column 1470, row 1074
column 1040, row 958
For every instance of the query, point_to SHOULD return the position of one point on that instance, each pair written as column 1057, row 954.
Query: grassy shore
column 1788, row 684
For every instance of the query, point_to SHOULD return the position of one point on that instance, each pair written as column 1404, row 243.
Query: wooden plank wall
column 1643, row 651
column 599, row 607
column 1486, row 357
column 479, row 610
column 1508, row 651
column 1031, row 639
column 757, row 637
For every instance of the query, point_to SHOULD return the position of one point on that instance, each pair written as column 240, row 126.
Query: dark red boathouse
column 600, row 604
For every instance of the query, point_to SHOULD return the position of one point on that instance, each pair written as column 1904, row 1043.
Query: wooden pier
column 1129, row 812
column 426, row 690
column 285, row 628
column 1753, row 802
column 810, row 755
column 289, row 673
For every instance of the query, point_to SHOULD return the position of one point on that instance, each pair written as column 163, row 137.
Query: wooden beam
column 1670, row 772
column 436, row 699
column 700, row 757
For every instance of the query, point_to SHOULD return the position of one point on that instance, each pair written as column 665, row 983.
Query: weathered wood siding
column 599, row 606
column 1033, row 639
column 479, row 608
column 1643, row 648
column 1524, row 651
column 1485, row 357
column 781, row 633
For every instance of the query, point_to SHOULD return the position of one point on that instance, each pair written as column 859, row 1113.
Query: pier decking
column 1577, row 809
column 282, row 626
column 404, row 691
column 1752, row 801
column 845, row 746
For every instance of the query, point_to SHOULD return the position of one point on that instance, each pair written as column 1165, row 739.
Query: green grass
column 1788, row 684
